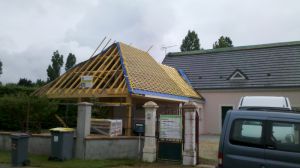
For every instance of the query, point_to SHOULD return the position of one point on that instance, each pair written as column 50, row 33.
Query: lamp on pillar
column 149, row 151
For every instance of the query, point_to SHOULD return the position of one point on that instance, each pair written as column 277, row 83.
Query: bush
column 13, row 89
column 16, row 110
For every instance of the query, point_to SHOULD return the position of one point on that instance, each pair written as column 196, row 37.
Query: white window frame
column 237, row 78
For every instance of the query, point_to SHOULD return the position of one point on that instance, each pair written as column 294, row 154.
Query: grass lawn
column 42, row 161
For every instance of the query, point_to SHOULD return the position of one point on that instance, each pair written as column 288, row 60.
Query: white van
column 264, row 102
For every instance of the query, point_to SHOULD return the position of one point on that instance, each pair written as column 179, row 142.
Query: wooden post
column 128, row 129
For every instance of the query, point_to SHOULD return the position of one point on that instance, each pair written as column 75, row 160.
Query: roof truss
column 107, row 78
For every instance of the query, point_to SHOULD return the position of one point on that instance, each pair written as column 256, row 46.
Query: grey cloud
column 137, row 23
column 31, row 30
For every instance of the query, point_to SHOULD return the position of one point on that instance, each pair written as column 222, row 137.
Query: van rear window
column 285, row 136
column 247, row 132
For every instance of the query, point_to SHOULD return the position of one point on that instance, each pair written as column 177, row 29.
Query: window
column 296, row 109
column 247, row 133
column 285, row 136
column 237, row 75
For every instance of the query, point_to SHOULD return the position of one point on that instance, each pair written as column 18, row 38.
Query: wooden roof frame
column 106, row 71
column 120, row 71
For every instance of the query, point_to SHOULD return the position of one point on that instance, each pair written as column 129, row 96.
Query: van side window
column 247, row 132
column 285, row 136
column 296, row 109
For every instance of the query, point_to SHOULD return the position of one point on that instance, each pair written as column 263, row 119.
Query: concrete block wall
column 95, row 147
column 38, row 144
column 5, row 141
column 115, row 148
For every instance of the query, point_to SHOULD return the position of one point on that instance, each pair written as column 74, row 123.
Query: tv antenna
column 150, row 48
column 165, row 48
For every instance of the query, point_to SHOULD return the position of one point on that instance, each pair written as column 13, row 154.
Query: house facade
column 223, row 76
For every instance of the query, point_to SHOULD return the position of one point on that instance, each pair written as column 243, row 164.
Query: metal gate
column 170, row 133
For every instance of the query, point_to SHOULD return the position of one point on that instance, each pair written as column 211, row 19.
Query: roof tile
column 268, row 65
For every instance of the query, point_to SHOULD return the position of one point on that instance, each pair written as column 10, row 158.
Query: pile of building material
column 108, row 127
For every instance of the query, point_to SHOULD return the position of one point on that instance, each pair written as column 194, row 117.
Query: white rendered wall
column 214, row 100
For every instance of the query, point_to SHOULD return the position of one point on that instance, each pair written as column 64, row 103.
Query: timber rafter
column 107, row 78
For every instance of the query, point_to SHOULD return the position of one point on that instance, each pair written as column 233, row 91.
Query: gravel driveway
column 209, row 145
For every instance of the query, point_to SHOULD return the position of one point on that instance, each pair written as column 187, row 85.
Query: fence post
column 149, row 151
column 83, row 127
column 189, row 152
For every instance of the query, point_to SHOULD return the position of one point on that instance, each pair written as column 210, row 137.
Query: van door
column 244, row 143
column 283, row 143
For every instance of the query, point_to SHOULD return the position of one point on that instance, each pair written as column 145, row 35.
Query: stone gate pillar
column 189, row 152
column 83, row 127
column 149, row 151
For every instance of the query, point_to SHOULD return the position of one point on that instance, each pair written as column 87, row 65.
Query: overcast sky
column 31, row 30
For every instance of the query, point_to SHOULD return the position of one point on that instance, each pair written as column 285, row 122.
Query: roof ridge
column 237, row 48
column 133, row 47
column 166, row 65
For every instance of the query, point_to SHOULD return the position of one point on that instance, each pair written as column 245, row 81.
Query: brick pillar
column 189, row 152
column 83, row 127
column 149, row 151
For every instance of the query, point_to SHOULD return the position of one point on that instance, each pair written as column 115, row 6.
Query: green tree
column 190, row 42
column 71, row 61
column 53, row 70
column 40, row 82
column 0, row 67
column 25, row 82
column 223, row 42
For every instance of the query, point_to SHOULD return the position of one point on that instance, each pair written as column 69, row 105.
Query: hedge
column 17, row 113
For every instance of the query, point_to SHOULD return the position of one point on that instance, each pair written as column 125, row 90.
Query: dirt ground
column 152, row 165
column 168, row 165
column 209, row 145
